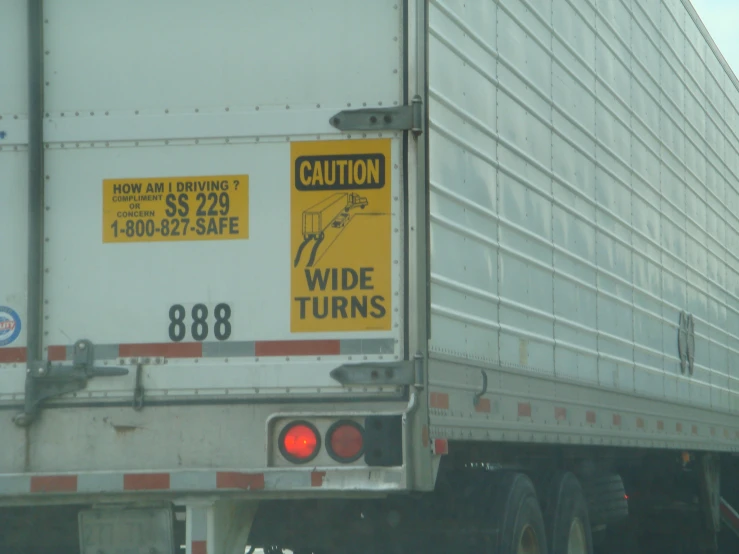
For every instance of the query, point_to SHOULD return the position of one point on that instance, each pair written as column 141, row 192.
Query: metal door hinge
column 396, row 118
column 44, row 381
column 409, row 372
column 375, row 373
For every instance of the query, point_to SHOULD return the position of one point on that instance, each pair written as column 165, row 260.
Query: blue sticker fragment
column 10, row 325
column 3, row 134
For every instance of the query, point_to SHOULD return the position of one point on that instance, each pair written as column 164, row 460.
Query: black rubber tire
column 565, row 501
column 516, row 508
column 606, row 499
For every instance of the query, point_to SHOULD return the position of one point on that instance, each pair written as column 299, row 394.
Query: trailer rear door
column 205, row 226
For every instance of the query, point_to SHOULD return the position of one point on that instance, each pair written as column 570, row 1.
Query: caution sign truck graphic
column 330, row 212
column 340, row 236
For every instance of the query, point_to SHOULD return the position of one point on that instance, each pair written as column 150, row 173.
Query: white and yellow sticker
column 340, row 220
column 211, row 207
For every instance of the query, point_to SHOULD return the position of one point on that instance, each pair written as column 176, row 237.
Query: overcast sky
column 721, row 18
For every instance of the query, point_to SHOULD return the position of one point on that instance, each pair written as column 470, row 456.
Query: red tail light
column 345, row 441
column 299, row 442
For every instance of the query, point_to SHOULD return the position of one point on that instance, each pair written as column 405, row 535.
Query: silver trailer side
column 584, row 225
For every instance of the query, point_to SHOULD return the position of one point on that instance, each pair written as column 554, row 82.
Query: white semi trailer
column 526, row 341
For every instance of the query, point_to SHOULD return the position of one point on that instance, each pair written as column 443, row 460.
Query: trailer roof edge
column 704, row 31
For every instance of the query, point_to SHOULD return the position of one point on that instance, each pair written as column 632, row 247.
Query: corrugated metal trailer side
column 584, row 229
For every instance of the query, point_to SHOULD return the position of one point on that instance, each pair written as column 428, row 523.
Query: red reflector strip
column 236, row 480
column 316, row 478
column 695, row 429
column 12, row 355
column 145, row 481
column 679, row 427
column 639, row 423
column 483, row 406
column 164, row 350
column 298, row 348
column 441, row 446
column 57, row 353
column 560, row 414
column 439, row 400
column 660, row 425
column 590, row 417
column 524, row 409
column 200, row 350
column 199, row 547
column 617, row 419
column 54, row 483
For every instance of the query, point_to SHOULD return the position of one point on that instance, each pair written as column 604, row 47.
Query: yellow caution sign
column 176, row 209
column 340, row 222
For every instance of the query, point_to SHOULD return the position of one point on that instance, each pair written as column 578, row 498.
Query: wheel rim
column 576, row 543
column 528, row 544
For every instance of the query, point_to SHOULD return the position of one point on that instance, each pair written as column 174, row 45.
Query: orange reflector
column 299, row 442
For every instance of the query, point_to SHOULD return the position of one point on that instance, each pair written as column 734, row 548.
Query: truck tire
column 606, row 497
column 566, row 517
column 518, row 515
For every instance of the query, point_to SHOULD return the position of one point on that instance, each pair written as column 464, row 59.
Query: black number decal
column 213, row 197
column 184, row 206
column 177, row 323
column 199, row 322
column 201, row 198
column 222, row 329
column 175, row 227
column 171, row 206
column 200, row 327
column 225, row 202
